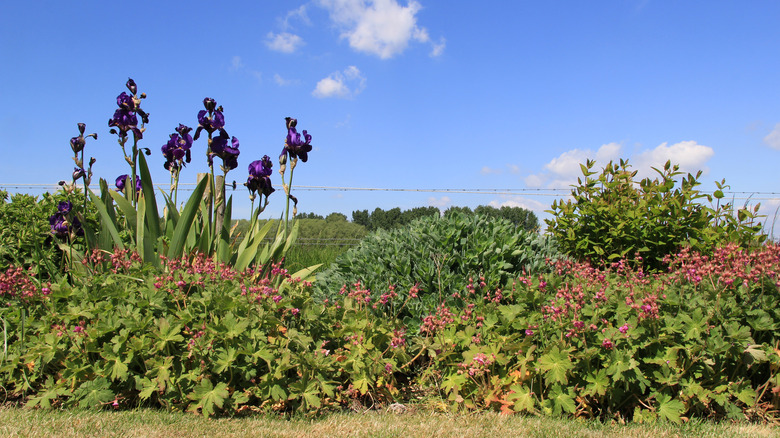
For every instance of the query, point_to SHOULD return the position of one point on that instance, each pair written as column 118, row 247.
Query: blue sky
column 399, row 94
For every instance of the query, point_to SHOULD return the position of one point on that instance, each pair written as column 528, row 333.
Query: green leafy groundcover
column 699, row 340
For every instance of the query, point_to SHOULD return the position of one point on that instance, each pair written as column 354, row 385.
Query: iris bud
column 209, row 104
column 131, row 86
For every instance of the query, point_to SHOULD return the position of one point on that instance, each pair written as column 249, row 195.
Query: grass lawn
column 417, row 423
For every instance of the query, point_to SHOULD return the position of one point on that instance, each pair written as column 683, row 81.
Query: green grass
column 303, row 256
column 16, row 422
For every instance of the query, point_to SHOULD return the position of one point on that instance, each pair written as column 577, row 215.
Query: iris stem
column 288, row 190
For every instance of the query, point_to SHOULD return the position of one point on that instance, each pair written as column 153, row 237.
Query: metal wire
column 736, row 195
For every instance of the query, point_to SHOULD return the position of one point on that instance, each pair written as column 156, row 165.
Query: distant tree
column 392, row 218
column 336, row 217
column 520, row 217
column 361, row 217
column 309, row 216
column 410, row 215
column 454, row 209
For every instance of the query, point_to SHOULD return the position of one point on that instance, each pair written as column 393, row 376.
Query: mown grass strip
column 414, row 423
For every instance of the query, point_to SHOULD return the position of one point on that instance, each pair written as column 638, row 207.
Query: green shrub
column 439, row 257
column 187, row 335
column 613, row 216
column 26, row 238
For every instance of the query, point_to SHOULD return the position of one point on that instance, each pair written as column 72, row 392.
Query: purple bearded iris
column 60, row 226
column 78, row 173
column 122, row 181
column 297, row 145
column 177, row 150
column 259, row 177
column 125, row 118
column 77, row 144
column 228, row 152
column 211, row 119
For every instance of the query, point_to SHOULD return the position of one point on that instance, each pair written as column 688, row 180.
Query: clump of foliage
column 395, row 217
column 617, row 343
column 26, row 238
column 614, row 343
column 437, row 257
column 190, row 334
column 612, row 216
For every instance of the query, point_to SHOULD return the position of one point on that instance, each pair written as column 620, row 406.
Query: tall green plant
column 612, row 216
column 437, row 259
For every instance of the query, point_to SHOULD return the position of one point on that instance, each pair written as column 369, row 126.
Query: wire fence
column 554, row 192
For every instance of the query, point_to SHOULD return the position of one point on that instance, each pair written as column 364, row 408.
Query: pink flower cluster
column 729, row 265
column 478, row 365
column 18, row 283
column 433, row 323
column 399, row 338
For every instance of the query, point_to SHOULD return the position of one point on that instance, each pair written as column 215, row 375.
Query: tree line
column 395, row 217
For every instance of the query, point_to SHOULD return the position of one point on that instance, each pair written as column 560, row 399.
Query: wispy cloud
column 519, row 201
column 236, row 63
column 563, row 170
column 439, row 203
column 511, row 168
column 342, row 84
column 773, row 138
column 283, row 42
column 380, row 27
column 283, row 82
column 298, row 14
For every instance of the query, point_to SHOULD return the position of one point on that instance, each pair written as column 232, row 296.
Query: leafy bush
column 394, row 218
column 437, row 257
column 25, row 232
column 189, row 334
column 613, row 217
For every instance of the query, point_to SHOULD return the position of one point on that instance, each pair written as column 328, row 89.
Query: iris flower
column 122, row 180
column 297, row 145
column 259, row 177
column 177, row 150
column 228, row 152
column 211, row 119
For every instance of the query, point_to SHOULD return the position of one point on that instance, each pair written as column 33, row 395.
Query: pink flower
column 607, row 344
column 623, row 329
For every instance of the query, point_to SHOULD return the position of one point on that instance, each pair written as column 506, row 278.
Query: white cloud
column 519, row 201
column 689, row 155
column 438, row 48
column 344, row 84
column 283, row 42
column 297, row 14
column 563, row 170
column 380, row 27
column 236, row 63
column 773, row 138
column 282, row 82
column 439, row 203
column 488, row 171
